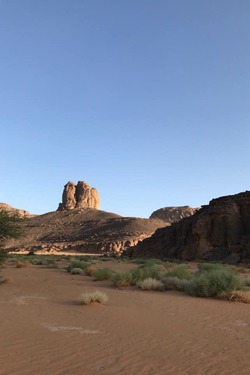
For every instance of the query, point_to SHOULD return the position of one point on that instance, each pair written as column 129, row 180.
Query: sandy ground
column 45, row 331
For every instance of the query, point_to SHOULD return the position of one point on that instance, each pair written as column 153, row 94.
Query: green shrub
column 207, row 267
column 78, row 264
column 103, row 274
column 76, row 271
column 121, row 279
column 181, row 272
column 96, row 296
column 212, row 283
column 151, row 284
column 173, row 283
column 140, row 274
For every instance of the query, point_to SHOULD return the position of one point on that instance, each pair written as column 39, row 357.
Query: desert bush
column 207, row 267
column 78, row 264
column 89, row 271
column 76, row 271
column 152, row 261
column 36, row 261
column 235, row 296
column 21, row 264
column 103, row 274
column 246, row 281
column 121, row 279
column 173, row 283
column 212, row 283
column 159, row 268
column 140, row 274
column 151, row 284
column 96, row 296
column 181, row 272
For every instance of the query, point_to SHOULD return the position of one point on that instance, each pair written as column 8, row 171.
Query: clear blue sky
column 146, row 100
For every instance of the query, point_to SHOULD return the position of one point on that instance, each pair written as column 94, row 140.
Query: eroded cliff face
column 79, row 196
column 218, row 231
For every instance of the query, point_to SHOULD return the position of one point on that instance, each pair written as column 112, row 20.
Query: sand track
column 45, row 331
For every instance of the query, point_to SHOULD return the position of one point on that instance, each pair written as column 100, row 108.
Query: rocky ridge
column 83, row 230
column 12, row 210
column 218, row 231
column 173, row 214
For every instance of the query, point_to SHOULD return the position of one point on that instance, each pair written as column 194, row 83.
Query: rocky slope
column 83, row 230
column 173, row 214
column 218, row 231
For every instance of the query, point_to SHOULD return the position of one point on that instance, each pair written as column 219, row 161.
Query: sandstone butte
column 219, row 231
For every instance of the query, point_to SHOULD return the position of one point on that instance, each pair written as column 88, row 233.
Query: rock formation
column 173, row 214
column 20, row 213
column 218, row 231
column 79, row 196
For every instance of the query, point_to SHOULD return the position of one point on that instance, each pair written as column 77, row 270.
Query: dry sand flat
column 45, row 331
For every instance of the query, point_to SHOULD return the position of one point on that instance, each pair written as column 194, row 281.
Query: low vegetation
column 95, row 296
column 78, row 264
column 151, row 284
column 180, row 272
column 103, row 274
column 213, row 283
column 77, row 271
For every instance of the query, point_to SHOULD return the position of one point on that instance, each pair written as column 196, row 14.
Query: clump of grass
column 21, row 264
column 36, row 261
column 121, row 279
column 180, row 272
column 159, row 268
column 78, row 264
column 207, row 267
column 140, row 274
column 95, row 296
column 151, row 284
column 212, row 283
column 89, row 271
column 246, row 281
column 236, row 296
column 103, row 274
column 173, row 283
column 77, row 271
column 7, row 280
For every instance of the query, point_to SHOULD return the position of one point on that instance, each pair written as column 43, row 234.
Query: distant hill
column 21, row 213
column 173, row 214
column 83, row 230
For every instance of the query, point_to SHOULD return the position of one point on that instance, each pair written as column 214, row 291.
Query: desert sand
column 44, row 329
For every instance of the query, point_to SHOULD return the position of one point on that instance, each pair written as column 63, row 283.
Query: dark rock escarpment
column 218, row 231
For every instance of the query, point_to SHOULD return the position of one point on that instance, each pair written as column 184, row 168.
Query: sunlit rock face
column 79, row 196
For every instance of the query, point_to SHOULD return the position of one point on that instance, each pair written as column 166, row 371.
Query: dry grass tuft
column 236, row 296
column 7, row 280
column 151, row 284
column 96, row 296
column 90, row 270
column 77, row 271
column 21, row 264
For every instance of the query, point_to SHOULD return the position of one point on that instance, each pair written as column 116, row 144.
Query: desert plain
column 45, row 330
